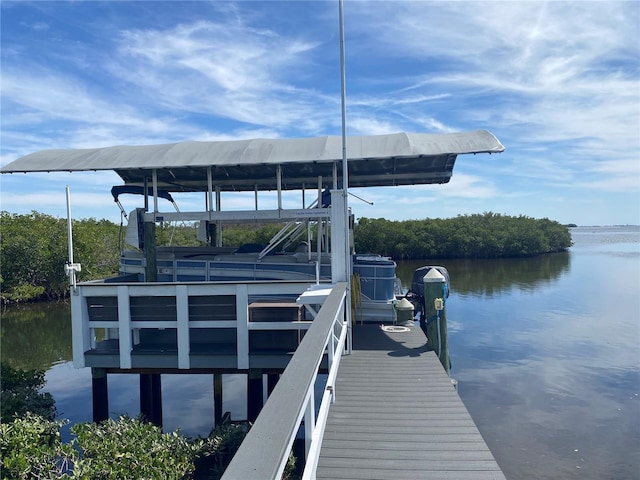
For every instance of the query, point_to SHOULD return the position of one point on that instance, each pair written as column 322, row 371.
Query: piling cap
column 404, row 304
column 433, row 276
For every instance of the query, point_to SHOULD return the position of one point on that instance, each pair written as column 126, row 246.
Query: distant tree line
column 33, row 247
column 487, row 235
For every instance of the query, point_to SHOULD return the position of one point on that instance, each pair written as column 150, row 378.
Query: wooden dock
column 397, row 416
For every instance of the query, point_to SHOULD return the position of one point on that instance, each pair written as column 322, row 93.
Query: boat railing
column 297, row 266
column 265, row 450
column 123, row 309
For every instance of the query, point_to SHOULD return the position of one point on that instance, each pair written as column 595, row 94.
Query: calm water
column 546, row 352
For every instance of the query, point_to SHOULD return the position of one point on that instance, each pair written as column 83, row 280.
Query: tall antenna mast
column 343, row 91
column 345, row 165
column 70, row 268
column 345, row 181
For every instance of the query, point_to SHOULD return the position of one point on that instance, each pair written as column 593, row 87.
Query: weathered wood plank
column 397, row 416
column 385, row 474
column 390, row 428
column 404, row 421
column 402, row 437
column 427, row 455
column 374, row 445
column 415, row 464
column 401, row 416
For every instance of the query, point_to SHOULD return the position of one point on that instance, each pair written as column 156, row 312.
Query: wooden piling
column 435, row 293
column 151, row 397
column 99, row 394
column 150, row 251
column 217, row 398
column 254, row 394
column 272, row 380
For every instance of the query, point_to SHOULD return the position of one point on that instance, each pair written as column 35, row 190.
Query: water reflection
column 36, row 336
column 187, row 399
column 546, row 352
column 490, row 277
column 39, row 337
column 551, row 375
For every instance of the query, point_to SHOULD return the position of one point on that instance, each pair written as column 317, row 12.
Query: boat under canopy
column 266, row 165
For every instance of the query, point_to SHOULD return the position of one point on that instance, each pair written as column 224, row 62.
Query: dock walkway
column 397, row 416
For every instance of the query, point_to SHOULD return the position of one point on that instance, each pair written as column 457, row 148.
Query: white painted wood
column 124, row 326
column 239, row 215
column 339, row 230
column 265, row 450
column 242, row 330
column 279, row 325
column 182, row 315
column 212, row 324
column 79, row 325
column 309, row 421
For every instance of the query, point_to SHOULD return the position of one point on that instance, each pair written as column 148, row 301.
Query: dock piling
column 435, row 294
column 217, row 398
column 151, row 397
column 99, row 394
column 254, row 394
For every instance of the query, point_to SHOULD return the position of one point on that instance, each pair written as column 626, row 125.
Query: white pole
column 345, row 176
column 70, row 268
column 69, row 231
column 345, row 165
column 209, row 197
column 343, row 91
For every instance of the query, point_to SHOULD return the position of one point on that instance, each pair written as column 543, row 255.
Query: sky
column 558, row 83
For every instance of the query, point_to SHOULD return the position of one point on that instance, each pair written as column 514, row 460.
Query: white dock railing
column 113, row 302
column 265, row 450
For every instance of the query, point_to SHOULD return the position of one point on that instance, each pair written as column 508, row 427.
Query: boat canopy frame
column 275, row 164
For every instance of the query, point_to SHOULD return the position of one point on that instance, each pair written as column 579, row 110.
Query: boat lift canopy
column 247, row 165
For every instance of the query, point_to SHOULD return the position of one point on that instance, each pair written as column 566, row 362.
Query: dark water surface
column 546, row 352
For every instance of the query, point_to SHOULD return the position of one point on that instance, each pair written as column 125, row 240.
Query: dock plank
column 398, row 416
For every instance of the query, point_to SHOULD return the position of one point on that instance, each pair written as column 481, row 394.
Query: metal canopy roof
column 241, row 165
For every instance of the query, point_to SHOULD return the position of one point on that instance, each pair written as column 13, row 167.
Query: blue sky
column 557, row 82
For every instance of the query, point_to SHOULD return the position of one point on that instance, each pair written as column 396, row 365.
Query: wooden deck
column 397, row 416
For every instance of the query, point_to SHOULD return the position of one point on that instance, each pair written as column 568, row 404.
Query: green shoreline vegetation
column 33, row 247
column 31, row 445
column 123, row 448
column 487, row 235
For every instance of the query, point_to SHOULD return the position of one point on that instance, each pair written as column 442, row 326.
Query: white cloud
column 358, row 125
column 468, row 186
column 225, row 69
column 549, row 71
column 61, row 97
column 557, row 82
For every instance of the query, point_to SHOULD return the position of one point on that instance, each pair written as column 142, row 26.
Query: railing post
column 182, row 318
column 309, row 422
column 265, row 450
column 242, row 327
column 80, row 331
column 349, row 343
column 124, row 326
column 331, row 346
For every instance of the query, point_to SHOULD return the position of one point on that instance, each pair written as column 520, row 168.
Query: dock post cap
column 433, row 276
column 404, row 304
